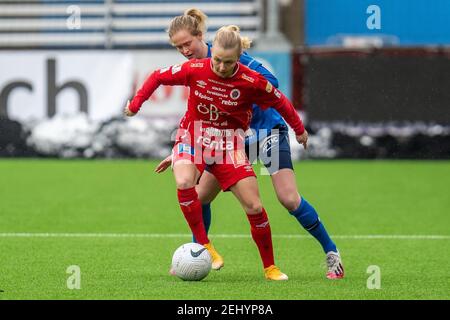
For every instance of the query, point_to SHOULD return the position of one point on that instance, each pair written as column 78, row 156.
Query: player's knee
column 290, row 200
column 184, row 183
column 253, row 207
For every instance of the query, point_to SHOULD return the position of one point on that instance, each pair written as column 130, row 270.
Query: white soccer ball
column 191, row 262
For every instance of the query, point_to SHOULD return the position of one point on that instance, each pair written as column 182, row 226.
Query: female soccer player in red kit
column 222, row 92
column 186, row 33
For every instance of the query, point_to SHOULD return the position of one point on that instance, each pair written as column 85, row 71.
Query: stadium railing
column 89, row 24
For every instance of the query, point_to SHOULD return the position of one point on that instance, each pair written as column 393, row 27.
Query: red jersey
column 219, row 103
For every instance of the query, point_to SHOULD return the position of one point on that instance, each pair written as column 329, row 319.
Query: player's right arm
column 172, row 76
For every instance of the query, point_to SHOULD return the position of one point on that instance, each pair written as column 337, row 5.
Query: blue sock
column 206, row 211
column 309, row 219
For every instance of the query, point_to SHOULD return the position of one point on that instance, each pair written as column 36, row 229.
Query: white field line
column 186, row 235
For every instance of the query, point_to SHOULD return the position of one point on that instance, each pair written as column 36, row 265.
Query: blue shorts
column 273, row 151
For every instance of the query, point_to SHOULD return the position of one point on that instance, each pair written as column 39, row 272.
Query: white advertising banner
column 39, row 84
column 166, row 101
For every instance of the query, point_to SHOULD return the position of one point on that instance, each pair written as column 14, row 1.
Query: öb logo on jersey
column 212, row 110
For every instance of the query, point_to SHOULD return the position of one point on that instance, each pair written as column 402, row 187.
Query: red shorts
column 231, row 167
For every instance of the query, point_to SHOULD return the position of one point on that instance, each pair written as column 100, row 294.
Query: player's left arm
column 267, row 96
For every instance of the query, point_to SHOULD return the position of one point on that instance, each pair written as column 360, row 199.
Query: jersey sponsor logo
column 269, row 87
column 217, row 94
column 197, row 65
column 201, row 84
column 218, row 145
column 211, row 131
column 215, row 123
column 221, row 83
column 176, row 68
column 235, row 94
column 246, row 77
column 218, row 89
column 185, row 148
column 277, row 93
column 202, row 96
column 229, row 103
column 212, row 110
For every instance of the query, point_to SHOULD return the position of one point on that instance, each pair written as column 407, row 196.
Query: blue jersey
column 261, row 119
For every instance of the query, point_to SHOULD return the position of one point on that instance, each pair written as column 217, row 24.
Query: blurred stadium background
column 371, row 79
column 365, row 90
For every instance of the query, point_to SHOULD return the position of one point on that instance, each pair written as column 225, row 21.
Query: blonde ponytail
column 193, row 20
column 229, row 37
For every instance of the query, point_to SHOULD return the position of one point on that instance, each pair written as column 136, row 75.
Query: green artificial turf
column 120, row 223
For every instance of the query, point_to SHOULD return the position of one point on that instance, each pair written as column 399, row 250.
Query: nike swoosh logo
column 196, row 254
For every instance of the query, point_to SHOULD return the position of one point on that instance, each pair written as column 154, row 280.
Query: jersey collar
column 234, row 73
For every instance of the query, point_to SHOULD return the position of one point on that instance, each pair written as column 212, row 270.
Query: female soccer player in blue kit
column 186, row 34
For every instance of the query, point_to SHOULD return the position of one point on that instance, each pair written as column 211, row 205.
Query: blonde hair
column 229, row 37
column 193, row 20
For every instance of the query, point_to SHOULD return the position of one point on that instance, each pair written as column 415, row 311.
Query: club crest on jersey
column 235, row 94
column 185, row 148
column 269, row 87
